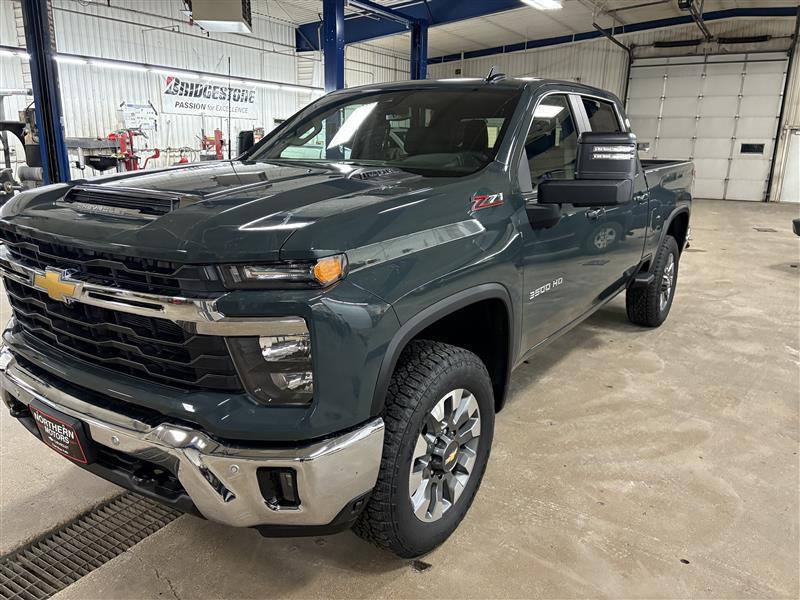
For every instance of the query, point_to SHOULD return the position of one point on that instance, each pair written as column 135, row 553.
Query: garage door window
column 552, row 142
column 602, row 116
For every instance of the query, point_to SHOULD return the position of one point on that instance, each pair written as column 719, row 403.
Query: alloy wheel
column 444, row 455
column 667, row 281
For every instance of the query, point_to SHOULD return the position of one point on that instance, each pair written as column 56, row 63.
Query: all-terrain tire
column 648, row 306
column 426, row 372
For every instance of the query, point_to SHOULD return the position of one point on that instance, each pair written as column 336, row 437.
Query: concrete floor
column 629, row 463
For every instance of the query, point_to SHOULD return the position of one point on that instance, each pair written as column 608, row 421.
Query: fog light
column 278, row 487
column 295, row 382
column 285, row 347
column 275, row 369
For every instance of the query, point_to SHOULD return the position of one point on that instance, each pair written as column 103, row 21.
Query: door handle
column 595, row 214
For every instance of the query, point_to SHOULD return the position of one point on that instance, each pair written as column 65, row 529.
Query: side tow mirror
column 607, row 156
column 246, row 141
column 606, row 168
column 585, row 192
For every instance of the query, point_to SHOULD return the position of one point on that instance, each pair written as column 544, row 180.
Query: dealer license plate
column 64, row 434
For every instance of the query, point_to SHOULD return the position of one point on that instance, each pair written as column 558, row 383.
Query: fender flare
column 668, row 223
column 438, row 310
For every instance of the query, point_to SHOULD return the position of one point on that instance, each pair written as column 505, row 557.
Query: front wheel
column 649, row 306
column 439, row 418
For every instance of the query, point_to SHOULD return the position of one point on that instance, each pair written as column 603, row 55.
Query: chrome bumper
column 330, row 473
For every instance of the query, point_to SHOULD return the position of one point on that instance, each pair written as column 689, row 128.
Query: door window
column 552, row 142
column 602, row 116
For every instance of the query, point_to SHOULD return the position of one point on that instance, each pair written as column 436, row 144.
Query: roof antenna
column 493, row 76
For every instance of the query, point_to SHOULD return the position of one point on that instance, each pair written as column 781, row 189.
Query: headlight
column 275, row 370
column 316, row 273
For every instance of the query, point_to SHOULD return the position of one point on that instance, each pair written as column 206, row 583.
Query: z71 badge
column 481, row 201
column 546, row 288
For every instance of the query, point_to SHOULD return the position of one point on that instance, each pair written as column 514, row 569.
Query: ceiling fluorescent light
column 544, row 4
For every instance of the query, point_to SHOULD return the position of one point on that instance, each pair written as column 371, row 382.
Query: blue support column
column 333, row 43
column 40, row 41
column 419, row 49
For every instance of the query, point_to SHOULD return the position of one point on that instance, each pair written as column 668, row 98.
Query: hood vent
column 125, row 202
column 365, row 174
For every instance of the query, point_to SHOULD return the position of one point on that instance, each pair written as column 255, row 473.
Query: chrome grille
column 101, row 268
column 156, row 349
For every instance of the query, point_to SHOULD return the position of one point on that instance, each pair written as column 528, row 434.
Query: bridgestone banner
column 199, row 98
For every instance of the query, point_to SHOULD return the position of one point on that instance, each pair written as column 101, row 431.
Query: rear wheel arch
column 490, row 337
column 678, row 227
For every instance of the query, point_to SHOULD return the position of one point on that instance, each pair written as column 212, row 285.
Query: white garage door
column 721, row 111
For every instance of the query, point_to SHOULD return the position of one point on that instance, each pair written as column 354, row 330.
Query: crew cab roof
column 531, row 83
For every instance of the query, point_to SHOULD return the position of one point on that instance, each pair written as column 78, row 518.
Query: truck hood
column 233, row 211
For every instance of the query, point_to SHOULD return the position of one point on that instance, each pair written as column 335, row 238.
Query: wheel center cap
column 445, row 456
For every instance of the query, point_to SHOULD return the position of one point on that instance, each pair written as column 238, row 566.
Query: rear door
column 561, row 276
column 619, row 236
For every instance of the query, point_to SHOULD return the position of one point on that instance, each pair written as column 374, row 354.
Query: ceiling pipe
column 697, row 16
column 611, row 38
column 629, row 51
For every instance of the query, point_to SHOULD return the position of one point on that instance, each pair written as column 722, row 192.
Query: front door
column 620, row 233
column 563, row 267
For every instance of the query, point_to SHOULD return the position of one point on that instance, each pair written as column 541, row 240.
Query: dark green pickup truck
column 318, row 334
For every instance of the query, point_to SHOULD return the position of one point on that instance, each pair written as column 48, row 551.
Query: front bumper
column 221, row 480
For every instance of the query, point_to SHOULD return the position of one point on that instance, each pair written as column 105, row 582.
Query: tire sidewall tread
column 643, row 305
column 425, row 372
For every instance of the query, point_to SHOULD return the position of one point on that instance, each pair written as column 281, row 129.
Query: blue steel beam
column 383, row 11
column 419, row 33
column 40, row 42
column 333, row 43
column 435, row 12
column 419, row 50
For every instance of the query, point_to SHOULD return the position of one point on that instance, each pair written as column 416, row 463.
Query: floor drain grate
column 49, row 565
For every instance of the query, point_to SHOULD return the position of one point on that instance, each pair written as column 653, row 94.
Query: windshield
column 431, row 132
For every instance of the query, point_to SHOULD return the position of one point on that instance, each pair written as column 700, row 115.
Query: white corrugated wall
column 156, row 33
column 598, row 62
column 366, row 64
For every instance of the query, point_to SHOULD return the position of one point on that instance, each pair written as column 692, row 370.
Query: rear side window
column 602, row 116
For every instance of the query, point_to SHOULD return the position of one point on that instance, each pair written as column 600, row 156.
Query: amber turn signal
column 330, row 269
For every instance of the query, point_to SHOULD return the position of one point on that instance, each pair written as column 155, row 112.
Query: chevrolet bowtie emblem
column 52, row 282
